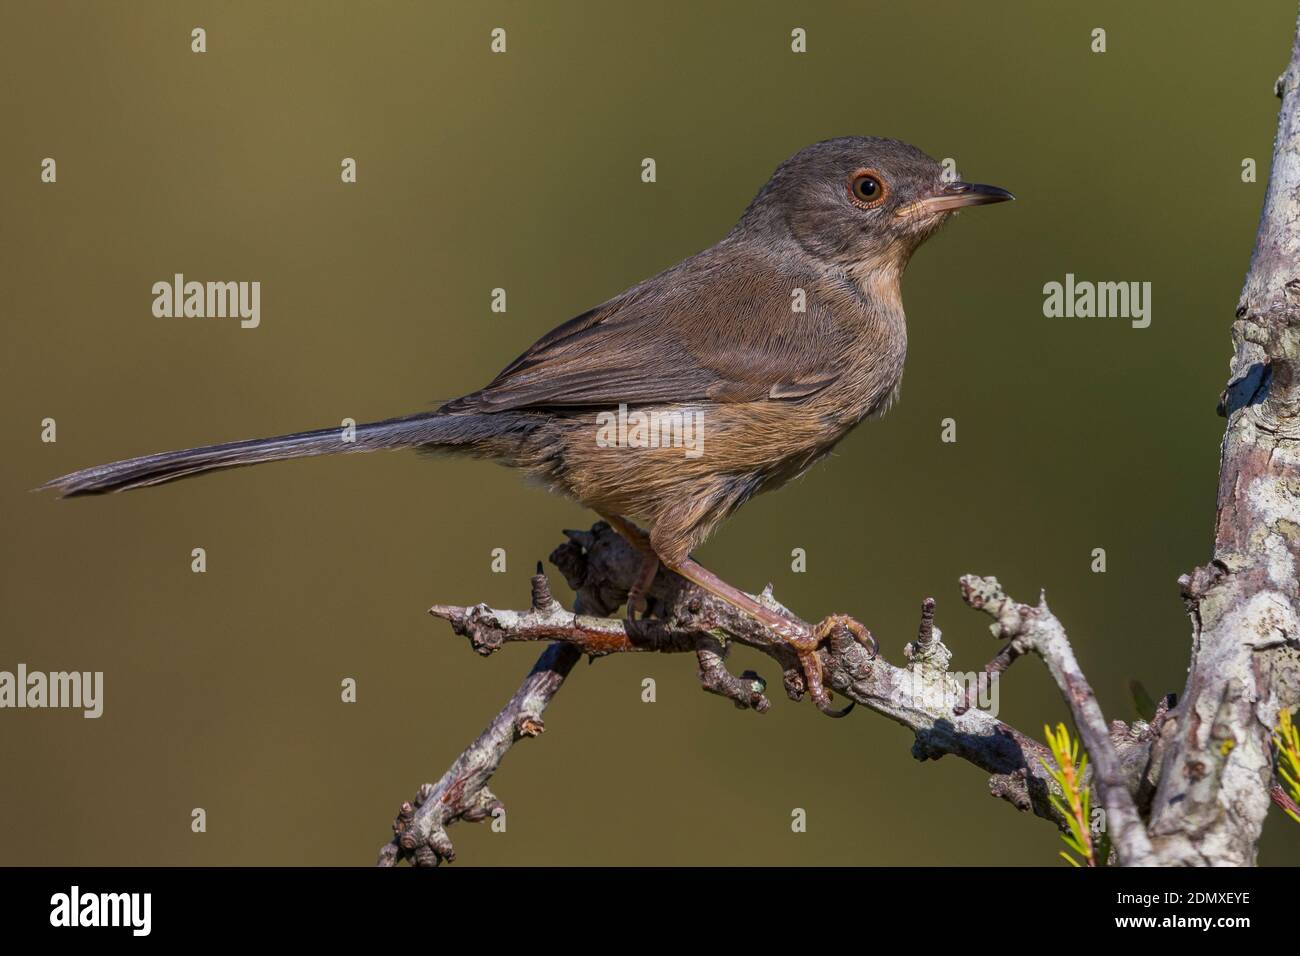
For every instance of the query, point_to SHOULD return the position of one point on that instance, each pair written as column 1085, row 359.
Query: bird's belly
column 833, row 419
column 710, row 457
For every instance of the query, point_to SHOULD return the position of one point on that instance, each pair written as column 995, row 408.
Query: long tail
column 431, row 430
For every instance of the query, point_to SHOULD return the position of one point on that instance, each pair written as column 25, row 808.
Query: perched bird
column 760, row 353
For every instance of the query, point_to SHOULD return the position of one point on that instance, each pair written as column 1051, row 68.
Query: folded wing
column 692, row 334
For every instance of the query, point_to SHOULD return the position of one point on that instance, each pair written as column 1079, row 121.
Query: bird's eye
column 866, row 188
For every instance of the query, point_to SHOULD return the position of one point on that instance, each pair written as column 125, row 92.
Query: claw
column 858, row 630
column 812, row 666
column 794, row 633
column 812, row 675
column 824, row 705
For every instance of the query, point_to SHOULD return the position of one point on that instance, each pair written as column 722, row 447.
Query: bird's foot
column 638, row 595
column 803, row 640
column 806, row 644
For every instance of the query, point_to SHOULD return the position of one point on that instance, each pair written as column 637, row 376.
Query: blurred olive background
column 523, row 171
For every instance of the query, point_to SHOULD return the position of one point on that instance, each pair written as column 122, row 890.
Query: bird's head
column 861, row 202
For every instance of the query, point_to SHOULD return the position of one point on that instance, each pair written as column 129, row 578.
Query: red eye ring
column 867, row 189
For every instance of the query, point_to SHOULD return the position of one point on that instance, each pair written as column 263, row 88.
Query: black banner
column 498, row 906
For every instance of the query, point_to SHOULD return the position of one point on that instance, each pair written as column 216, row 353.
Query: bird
column 761, row 353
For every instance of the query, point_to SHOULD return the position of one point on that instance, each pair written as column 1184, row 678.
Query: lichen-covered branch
column 1215, row 768
column 1036, row 629
column 420, row 829
column 600, row 566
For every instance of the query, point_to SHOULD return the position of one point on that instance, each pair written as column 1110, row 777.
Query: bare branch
column 1037, row 629
column 601, row 566
column 746, row 691
column 420, row 830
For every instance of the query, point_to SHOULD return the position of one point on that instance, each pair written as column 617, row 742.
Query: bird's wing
column 692, row 334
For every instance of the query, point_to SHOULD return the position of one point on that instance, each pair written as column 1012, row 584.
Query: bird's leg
column 637, row 604
column 636, row 595
column 798, row 636
column 804, row 641
column 634, row 535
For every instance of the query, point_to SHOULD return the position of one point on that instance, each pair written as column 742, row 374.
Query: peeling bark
column 1217, row 769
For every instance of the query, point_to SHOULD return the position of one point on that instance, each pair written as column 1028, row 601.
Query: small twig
column 420, row 829
column 1037, row 629
column 925, row 630
column 746, row 690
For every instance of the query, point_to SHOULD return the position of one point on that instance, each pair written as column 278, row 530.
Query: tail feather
column 431, row 429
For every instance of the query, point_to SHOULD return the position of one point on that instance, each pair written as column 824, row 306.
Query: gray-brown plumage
column 717, row 336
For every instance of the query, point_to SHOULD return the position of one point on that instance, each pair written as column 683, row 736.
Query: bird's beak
column 955, row 196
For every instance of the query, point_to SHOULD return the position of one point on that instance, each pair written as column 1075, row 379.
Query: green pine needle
column 1075, row 804
column 1287, row 741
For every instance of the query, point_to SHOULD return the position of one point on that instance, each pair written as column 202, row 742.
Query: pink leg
column 797, row 635
column 636, row 597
